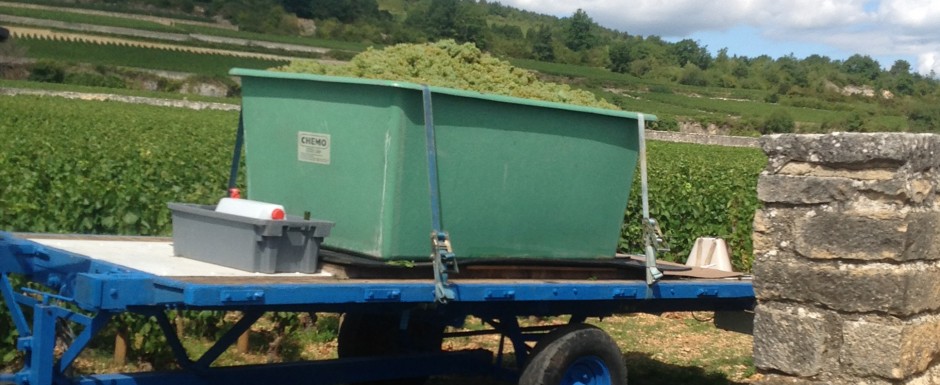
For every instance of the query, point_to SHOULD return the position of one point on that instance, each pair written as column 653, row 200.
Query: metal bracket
column 652, row 236
column 653, row 240
column 445, row 262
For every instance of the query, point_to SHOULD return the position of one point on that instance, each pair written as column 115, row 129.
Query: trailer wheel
column 577, row 354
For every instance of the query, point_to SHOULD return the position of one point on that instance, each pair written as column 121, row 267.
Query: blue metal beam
column 91, row 328
column 9, row 297
column 41, row 345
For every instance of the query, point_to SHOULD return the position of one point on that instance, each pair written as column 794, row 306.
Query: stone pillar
column 847, row 260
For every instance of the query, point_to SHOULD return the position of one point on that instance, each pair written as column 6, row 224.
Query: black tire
column 575, row 354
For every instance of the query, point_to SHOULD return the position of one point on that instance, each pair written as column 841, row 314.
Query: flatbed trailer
column 88, row 281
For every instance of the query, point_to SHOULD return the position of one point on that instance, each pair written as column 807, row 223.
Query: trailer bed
column 88, row 281
column 114, row 273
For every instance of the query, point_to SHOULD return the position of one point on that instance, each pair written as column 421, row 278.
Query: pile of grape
column 452, row 65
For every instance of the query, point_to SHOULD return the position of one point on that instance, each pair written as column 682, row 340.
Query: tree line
column 577, row 39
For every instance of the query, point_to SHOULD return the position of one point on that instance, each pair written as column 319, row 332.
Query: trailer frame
column 87, row 292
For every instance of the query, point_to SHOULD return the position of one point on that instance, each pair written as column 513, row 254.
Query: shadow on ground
column 644, row 370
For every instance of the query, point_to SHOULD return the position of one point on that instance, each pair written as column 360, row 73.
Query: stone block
column 776, row 379
column 889, row 347
column 901, row 290
column 929, row 377
column 914, row 152
column 879, row 236
column 803, row 190
column 794, row 168
column 795, row 340
column 773, row 228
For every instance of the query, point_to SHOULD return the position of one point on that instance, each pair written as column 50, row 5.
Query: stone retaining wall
column 193, row 105
column 847, row 260
column 717, row 140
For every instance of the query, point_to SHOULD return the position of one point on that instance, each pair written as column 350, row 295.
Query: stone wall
column 717, row 140
column 847, row 260
column 193, row 105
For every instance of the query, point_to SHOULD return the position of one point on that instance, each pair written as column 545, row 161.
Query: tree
column 779, row 121
column 579, row 32
column 794, row 70
column 923, row 117
column 900, row 67
column 864, row 67
column 470, row 24
column 542, row 46
column 301, row 8
column 345, row 11
column 620, row 56
column 688, row 51
column 901, row 81
column 461, row 20
column 692, row 76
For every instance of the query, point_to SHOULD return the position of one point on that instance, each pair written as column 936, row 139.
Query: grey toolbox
column 258, row 245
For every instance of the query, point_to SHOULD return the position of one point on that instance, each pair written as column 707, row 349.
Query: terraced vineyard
column 139, row 55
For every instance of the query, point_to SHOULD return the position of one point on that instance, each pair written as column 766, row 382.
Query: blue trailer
column 88, row 291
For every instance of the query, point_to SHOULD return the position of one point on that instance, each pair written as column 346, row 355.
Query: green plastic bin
column 518, row 178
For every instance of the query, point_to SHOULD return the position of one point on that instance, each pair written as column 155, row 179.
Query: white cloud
column 883, row 28
column 928, row 62
column 911, row 14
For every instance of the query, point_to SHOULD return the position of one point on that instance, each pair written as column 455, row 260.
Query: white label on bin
column 313, row 148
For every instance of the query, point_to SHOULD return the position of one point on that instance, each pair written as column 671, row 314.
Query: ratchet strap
column 442, row 254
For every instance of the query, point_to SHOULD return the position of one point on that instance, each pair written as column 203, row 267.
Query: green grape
column 452, row 65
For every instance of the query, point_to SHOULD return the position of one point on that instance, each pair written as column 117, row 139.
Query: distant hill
column 693, row 87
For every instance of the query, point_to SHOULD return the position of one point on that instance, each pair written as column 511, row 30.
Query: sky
column 886, row 30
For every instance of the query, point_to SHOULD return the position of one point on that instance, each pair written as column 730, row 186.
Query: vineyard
column 90, row 167
column 71, row 50
column 102, row 168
